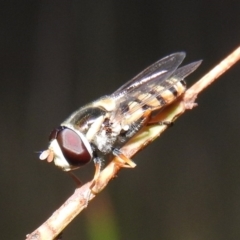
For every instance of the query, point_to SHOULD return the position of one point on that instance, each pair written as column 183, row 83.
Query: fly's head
column 68, row 148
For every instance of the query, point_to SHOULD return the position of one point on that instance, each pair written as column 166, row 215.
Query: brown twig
column 79, row 200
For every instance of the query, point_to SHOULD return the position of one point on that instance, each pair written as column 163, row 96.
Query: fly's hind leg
column 121, row 159
column 166, row 123
column 135, row 126
column 159, row 122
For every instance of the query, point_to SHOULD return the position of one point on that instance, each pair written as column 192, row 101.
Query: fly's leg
column 135, row 127
column 152, row 121
column 162, row 123
column 98, row 162
column 79, row 184
column 122, row 160
column 75, row 179
column 166, row 123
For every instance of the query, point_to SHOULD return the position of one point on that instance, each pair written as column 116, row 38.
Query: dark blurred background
column 59, row 55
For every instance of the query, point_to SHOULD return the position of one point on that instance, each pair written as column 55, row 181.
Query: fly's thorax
column 105, row 137
column 108, row 103
column 104, row 142
column 94, row 128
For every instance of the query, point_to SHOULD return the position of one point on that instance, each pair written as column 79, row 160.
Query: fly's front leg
column 98, row 162
column 75, row 179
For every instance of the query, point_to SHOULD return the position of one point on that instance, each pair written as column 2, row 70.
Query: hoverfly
column 99, row 129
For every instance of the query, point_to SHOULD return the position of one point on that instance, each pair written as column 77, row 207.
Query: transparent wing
column 177, row 76
column 184, row 71
column 151, row 83
column 155, row 73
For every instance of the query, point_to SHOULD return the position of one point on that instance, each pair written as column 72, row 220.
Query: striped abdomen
column 156, row 98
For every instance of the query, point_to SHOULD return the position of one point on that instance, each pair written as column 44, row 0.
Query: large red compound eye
column 72, row 146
